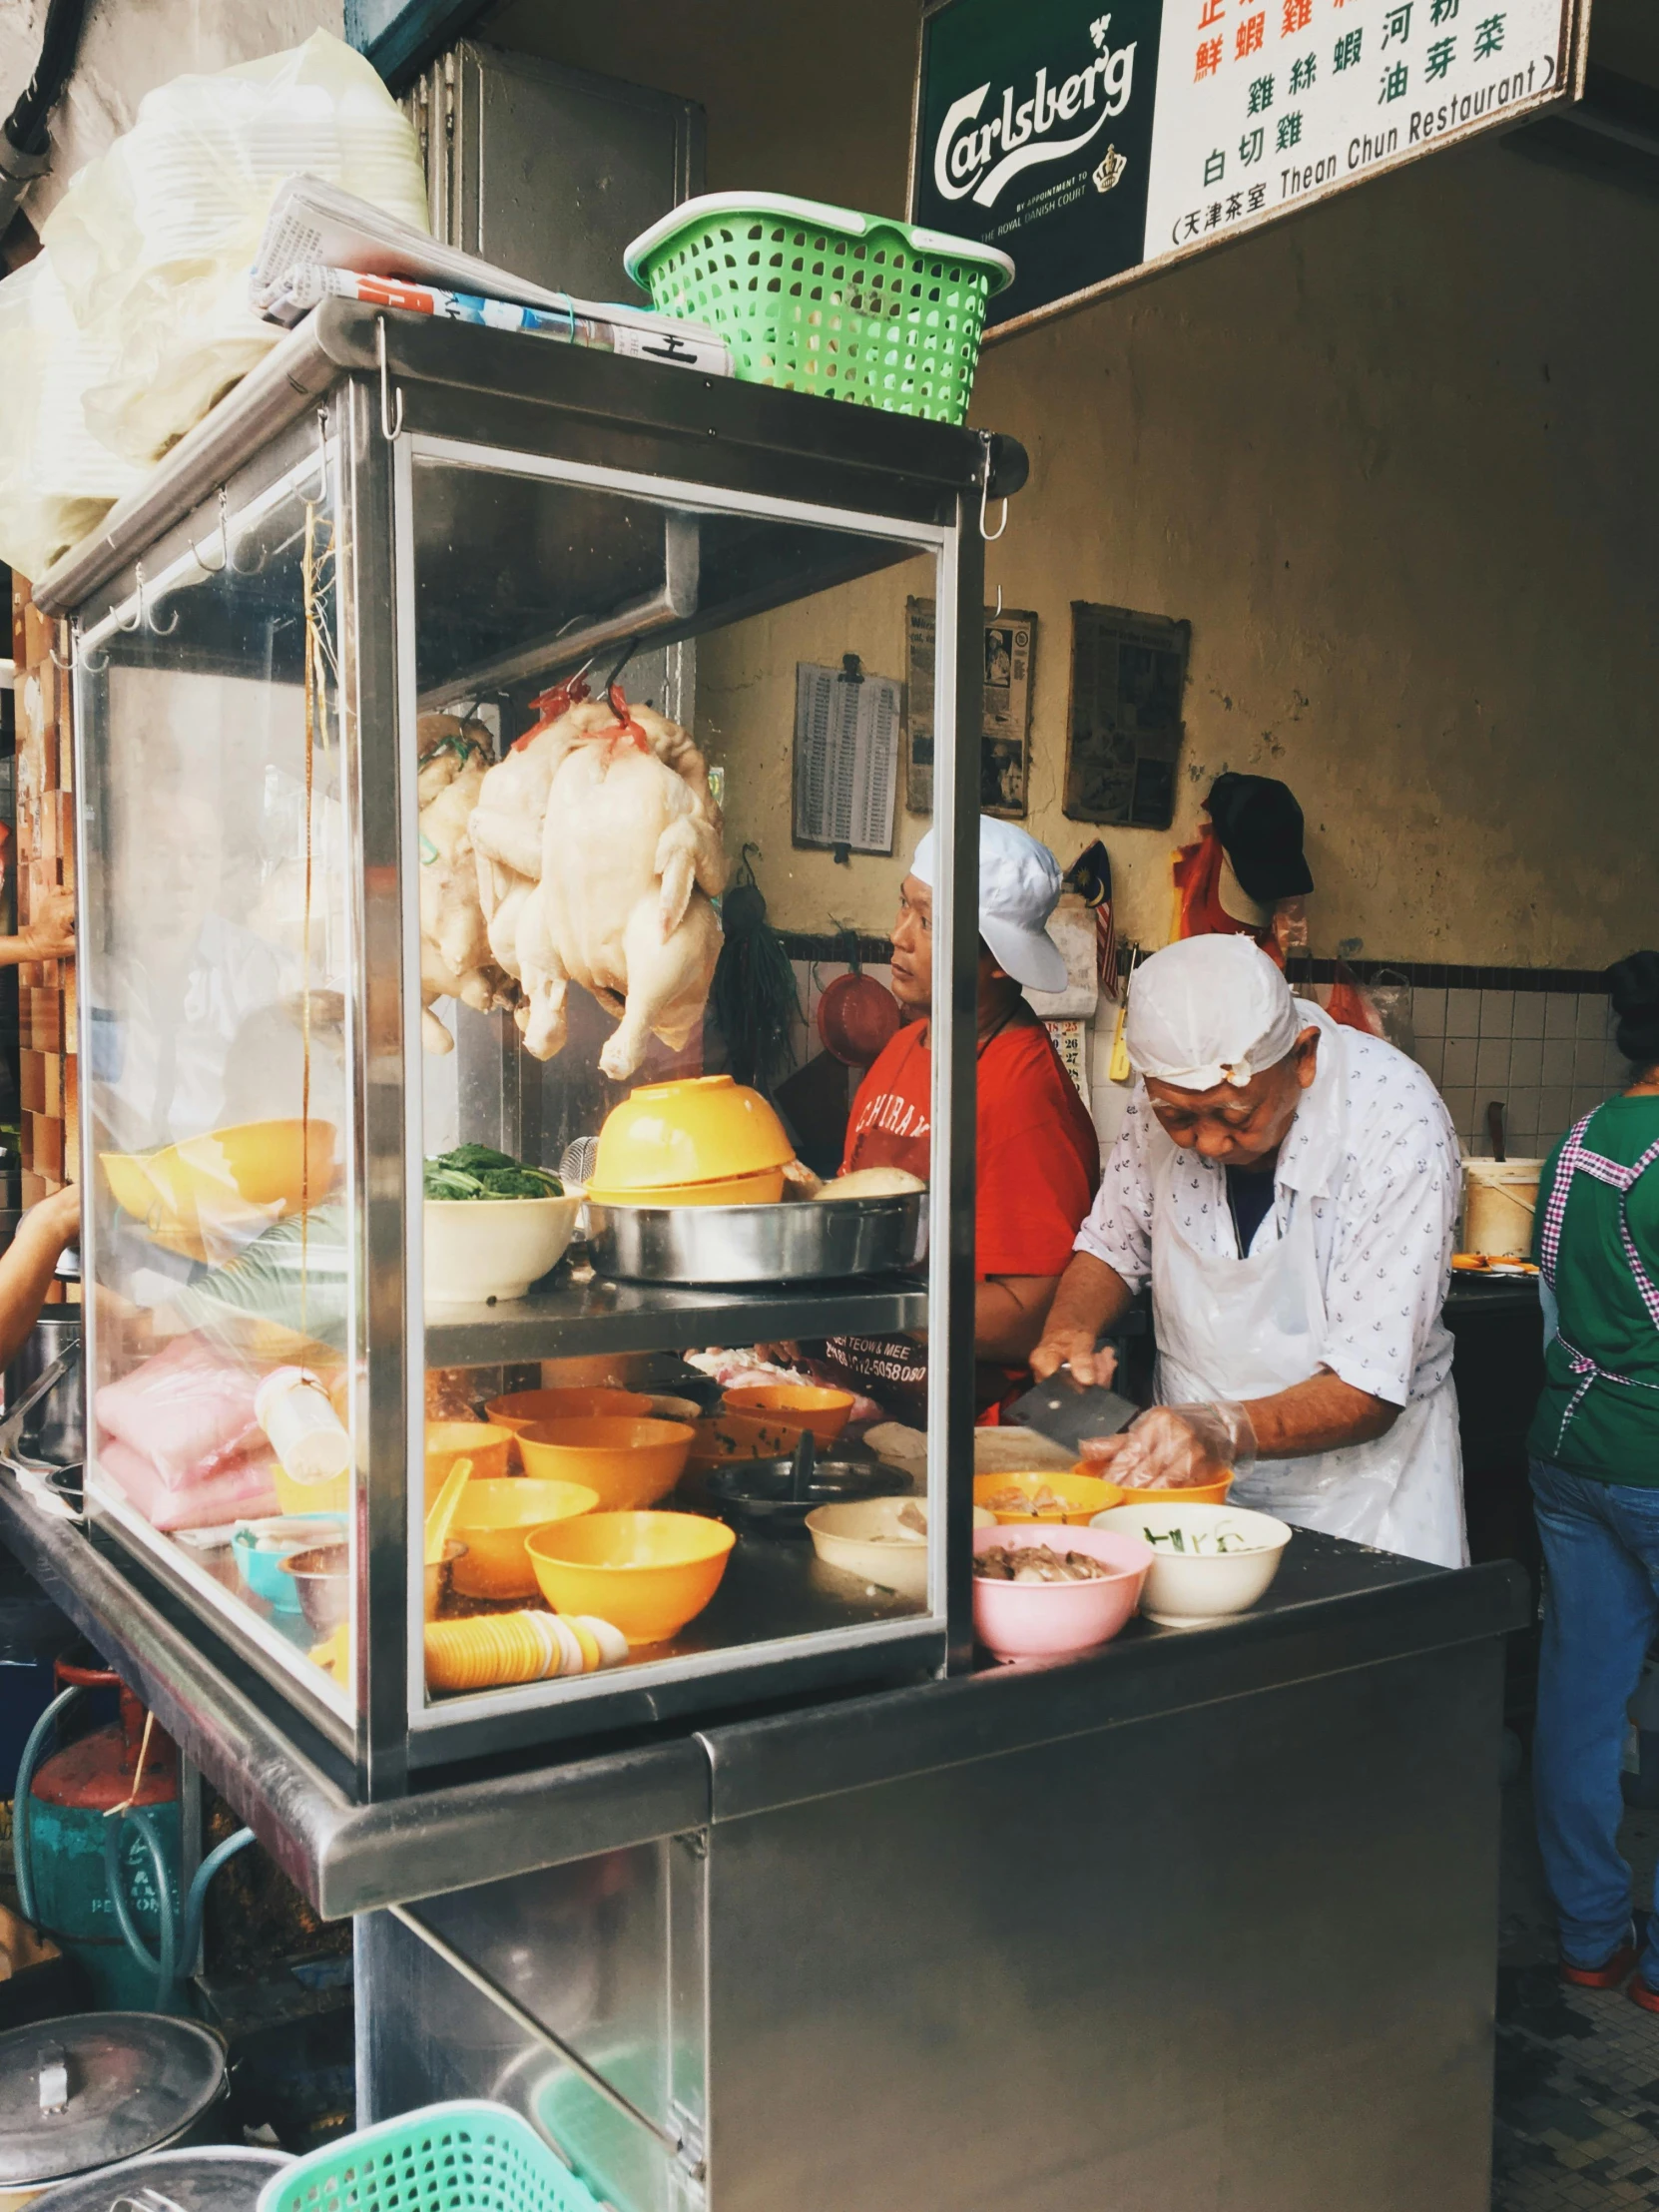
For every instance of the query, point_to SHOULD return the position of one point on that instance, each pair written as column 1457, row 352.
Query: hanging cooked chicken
column 455, row 956
column 629, row 859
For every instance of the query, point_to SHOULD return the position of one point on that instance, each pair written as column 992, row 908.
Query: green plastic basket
column 461, row 2157
column 823, row 299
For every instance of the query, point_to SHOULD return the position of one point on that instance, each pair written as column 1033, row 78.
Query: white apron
column 1243, row 1329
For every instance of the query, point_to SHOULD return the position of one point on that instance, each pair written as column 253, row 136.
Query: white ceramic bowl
column 862, row 1537
column 1185, row 1589
column 483, row 1248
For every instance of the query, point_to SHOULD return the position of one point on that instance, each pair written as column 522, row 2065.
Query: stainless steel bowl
column 805, row 1241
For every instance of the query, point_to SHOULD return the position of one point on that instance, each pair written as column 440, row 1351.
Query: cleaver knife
column 1066, row 1412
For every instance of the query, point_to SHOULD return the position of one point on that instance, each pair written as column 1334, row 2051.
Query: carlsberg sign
column 978, row 158
column 1091, row 144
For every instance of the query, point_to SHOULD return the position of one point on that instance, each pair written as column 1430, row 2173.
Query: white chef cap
column 1208, row 1010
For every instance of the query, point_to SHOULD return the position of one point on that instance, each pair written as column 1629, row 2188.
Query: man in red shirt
column 1038, row 1154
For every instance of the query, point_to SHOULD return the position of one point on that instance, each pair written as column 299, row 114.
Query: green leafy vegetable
column 479, row 1170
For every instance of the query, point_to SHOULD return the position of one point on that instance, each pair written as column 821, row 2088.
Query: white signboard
column 1266, row 103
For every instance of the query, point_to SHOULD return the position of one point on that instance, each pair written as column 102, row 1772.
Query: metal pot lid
column 83, row 2092
column 214, row 2179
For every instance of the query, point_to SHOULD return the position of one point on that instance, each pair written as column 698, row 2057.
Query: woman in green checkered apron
column 1594, row 1444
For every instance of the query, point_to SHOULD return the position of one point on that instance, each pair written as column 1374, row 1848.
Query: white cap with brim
column 1210, row 1010
column 1019, row 888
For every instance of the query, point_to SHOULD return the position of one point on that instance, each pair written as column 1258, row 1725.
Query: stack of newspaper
column 321, row 242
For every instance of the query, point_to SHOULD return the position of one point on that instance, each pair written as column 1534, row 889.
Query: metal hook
column 159, row 629
column 223, row 562
column 89, row 667
column 235, row 566
column 322, row 451
column 391, row 424
column 127, row 628
column 990, row 536
column 997, row 615
column 64, row 668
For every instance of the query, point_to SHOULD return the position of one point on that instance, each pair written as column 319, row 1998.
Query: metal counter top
column 1333, row 1606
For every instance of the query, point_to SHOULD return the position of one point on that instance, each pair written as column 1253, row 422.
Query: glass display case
column 325, row 672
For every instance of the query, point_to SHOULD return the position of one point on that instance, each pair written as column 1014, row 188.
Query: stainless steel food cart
column 816, row 1909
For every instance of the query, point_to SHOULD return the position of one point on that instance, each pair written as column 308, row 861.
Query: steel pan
column 802, row 1242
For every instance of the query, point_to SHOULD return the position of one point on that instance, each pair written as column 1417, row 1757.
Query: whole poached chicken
column 455, row 956
column 599, row 854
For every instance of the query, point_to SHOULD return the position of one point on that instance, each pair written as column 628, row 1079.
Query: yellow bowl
column 1195, row 1494
column 202, row 1197
column 667, row 1135
column 492, row 1520
column 629, row 1464
column 763, row 1187
column 650, row 1573
column 825, row 1412
column 1084, row 1496
column 522, row 1410
column 486, row 1445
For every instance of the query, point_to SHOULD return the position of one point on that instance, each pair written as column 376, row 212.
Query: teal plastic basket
column 827, row 300
column 461, row 2157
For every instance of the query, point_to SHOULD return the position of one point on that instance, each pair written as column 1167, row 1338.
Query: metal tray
column 802, row 1242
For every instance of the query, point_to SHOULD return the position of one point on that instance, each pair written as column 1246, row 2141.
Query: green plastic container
column 827, row 300
column 461, row 2157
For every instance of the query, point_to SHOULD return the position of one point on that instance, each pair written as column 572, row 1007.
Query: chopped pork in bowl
column 1042, row 1590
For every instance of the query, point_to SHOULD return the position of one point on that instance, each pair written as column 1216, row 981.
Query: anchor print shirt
column 1372, row 1151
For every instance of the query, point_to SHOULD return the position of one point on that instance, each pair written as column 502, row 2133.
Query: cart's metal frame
column 386, row 392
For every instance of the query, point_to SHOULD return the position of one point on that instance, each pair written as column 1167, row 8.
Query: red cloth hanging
column 1198, row 869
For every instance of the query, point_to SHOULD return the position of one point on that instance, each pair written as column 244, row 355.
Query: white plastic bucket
column 1499, row 1200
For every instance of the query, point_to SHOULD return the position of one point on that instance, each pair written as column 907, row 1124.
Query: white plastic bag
column 152, row 242
column 56, row 481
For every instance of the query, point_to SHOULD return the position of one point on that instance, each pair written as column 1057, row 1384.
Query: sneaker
column 1610, row 1974
column 1640, row 1993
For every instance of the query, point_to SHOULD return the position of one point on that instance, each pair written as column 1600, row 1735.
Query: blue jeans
column 1601, row 1548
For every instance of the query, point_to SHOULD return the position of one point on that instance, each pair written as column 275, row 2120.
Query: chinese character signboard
column 1095, row 143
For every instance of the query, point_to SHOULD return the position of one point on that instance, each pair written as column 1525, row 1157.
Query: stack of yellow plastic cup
column 498, row 1648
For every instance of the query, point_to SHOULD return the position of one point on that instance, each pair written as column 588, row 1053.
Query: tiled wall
column 1549, row 1055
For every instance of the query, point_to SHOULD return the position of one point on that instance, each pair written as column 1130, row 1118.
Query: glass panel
column 623, row 1512
column 215, row 965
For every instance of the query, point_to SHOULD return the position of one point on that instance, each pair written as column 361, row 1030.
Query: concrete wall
column 1395, row 461
column 131, row 45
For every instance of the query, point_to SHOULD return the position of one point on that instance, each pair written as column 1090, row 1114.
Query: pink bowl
column 1040, row 1620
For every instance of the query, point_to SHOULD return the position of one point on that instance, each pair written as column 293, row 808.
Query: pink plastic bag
column 242, row 1490
column 185, row 1411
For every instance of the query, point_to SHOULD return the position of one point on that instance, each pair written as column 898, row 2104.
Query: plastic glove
column 1175, row 1448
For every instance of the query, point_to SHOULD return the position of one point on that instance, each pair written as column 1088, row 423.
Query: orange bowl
column 492, row 1520
column 650, row 1573
column 1195, row 1494
column 721, row 1437
column 825, row 1412
column 628, row 1464
column 486, row 1445
column 763, row 1187
column 1082, row 1495
column 707, row 1129
column 522, row 1410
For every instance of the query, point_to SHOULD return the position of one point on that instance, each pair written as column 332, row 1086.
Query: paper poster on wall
column 1093, row 145
column 1005, row 727
column 1123, row 732
column 846, row 727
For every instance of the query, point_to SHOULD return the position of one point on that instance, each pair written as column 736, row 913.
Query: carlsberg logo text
column 980, row 158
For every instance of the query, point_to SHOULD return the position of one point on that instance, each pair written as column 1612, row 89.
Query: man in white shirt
column 1290, row 1188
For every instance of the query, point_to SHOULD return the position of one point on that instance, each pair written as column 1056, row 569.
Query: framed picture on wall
column 1124, row 729
column 1005, row 727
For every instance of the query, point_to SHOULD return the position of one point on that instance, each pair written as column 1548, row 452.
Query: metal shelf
column 598, row 1316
